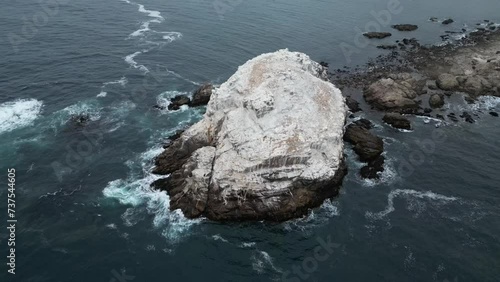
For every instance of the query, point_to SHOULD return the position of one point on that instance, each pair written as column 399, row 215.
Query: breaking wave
column 19, row 113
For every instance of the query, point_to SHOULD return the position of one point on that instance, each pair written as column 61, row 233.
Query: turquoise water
column 84, row 206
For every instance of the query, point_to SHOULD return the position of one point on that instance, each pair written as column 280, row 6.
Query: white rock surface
column 277, row 129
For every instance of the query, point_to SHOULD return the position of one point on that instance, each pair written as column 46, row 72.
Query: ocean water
column 86, row 213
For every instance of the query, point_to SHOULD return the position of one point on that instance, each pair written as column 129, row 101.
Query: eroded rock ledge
column 268, row 148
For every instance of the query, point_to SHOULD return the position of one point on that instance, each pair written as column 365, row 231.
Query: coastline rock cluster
column 268, row 148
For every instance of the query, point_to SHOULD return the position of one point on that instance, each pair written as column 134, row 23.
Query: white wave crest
column 19, row 113
column 136, row 191
column 407, row 193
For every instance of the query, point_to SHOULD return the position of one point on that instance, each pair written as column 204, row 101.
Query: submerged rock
column 495, row 114
column 448, row 21
column 396, row 120
column 268, row 148
column 405, row 27
column 80, row 120
column 378, row 35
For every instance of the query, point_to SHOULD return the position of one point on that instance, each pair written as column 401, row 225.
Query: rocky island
column 269, row 147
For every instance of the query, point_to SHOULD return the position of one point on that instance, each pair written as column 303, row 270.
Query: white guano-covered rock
column 276, row 127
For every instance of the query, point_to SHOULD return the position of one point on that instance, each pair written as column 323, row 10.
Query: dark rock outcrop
column 352, row 104
column 377, row 35
column 364, row 123
column 80, row 120
column 202, row 95
column 405, row 27
column 373, row 168
column 396, row 120
column 448, row 21
column 178, row 101
column 366, row 145
column 468, row 118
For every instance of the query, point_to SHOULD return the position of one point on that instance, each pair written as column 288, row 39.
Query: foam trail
column 122, row 81
column 261, row 259
column 130, row 60
column 407, row 193
column 19, row 113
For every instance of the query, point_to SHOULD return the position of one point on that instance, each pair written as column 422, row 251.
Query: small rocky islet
column 271, row 143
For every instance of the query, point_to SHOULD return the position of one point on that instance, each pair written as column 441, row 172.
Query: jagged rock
column 405, row 27
column 378, row 35
column 373, row 168
column 352, row 104
column 396, row 120
column 366, row 145
column 436, row 101
column 178, row 101
column 388, row 94
column 202, row 95
column 447, row 82
column 268, row 148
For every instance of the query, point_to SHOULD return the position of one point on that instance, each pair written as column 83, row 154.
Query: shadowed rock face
column 268, row 148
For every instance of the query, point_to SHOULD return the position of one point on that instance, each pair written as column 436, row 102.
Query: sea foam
column 19, row 113
column 407, row 193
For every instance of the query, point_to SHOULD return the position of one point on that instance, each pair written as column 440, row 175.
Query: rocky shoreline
column 411, row 80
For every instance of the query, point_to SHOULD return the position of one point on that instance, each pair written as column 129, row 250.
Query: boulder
column 366, row 145
column 178, row 101
column 396, row 120
column 436, row 101
column 378, row 35
column 405, row 27
column 269, row 146
column 202, row 95
column 447, row 82
column 389, row 94
column 495, row 114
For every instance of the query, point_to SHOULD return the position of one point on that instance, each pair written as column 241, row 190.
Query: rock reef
column 269, row 146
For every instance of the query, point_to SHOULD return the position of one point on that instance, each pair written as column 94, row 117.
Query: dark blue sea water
column 83, row 203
